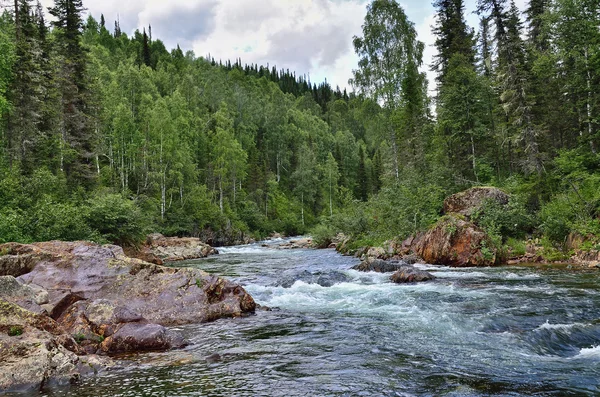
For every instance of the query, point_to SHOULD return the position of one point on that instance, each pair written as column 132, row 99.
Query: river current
column 332, row 331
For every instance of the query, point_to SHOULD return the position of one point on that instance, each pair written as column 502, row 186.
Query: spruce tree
column 77, row 140
column 146, row 56
column 26, row 91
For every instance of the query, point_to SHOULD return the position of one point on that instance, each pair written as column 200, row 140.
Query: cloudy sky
column 312, row 37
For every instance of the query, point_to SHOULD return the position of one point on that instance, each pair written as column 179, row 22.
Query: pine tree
column 452, row 35
column 77, row 140
column 27, row 91
column 146, row 56
column 363, row 182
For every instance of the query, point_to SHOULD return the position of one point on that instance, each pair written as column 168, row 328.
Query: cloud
column 181, row 23
column 312, row 37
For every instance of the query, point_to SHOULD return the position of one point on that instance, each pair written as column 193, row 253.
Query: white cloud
column 310, row 37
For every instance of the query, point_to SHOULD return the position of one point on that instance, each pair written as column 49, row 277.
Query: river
column 505, row 331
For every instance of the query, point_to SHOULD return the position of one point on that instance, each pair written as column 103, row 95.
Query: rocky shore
column 456, row 241
column 66, row 307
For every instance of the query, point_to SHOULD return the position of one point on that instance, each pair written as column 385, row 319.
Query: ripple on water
column 472, row 332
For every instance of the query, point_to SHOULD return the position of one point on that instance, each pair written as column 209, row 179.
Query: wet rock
column 35, row 351
column 453, row 241
column 379, row 266
column 411, row 259
column 136, row 337
column 160, row 294
column 324, row 279
column 471, row 200
column 410, row 274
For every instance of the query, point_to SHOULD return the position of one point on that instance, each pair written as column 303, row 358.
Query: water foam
column 246, row 249
column 590, row 352
column 547, row 325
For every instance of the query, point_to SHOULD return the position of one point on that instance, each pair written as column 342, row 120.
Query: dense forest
column 108, row 137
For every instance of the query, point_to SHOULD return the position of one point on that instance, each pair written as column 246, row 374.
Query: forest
column 107, row 137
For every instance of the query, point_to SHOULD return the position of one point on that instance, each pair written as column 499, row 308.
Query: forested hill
column 108, row 137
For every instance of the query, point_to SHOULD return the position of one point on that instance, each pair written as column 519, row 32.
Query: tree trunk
column 589, row 102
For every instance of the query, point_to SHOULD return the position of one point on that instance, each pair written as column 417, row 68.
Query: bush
column 59, row 221
column 511, row 220
column 557, row 216
column 117, row 219
column 323, row 234
column 13, row 226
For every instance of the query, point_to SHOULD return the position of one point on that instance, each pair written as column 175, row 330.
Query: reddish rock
column 160, row 294
column 35, row 350
column 135, row 337
column 471, row 200
column 453, row 241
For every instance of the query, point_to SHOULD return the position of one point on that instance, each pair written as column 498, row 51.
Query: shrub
column 117, row 219
column 511, row 220
column 59, row 221
column 13, row 226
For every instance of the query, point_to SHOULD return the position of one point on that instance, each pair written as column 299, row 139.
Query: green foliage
column 511, row 220
column 516, row 247
column 79, row 337
column 13, row 224
column 59, row 221
column 15, row 330
column 116, row 219
column 323, row 234
column 107, row 137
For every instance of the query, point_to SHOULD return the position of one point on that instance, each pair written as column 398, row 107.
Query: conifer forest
column 108, row 137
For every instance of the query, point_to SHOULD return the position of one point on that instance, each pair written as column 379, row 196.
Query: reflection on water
column 472, row 332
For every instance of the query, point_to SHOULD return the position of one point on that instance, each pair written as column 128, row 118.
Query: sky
column 310, row 37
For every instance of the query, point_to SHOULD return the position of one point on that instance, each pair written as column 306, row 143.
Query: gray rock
column 410, row 274
column 379, row 266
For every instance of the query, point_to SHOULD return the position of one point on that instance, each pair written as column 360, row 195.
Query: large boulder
column 161, row 295
column 301, row 243
column 454, row 241
column 468, row 202
column 90, row 299
column 35, row 351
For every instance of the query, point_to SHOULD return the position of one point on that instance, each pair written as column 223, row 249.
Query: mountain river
column 332, row 331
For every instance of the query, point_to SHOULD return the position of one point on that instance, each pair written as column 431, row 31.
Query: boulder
column 410, row 274
column 26, row 296
column 301, row 243
column 135, row 337
column 324, row 279
column 454, row 241
column 98, row 301
column 35, row 351
column 472, row 200
column 379, row 266
column 161, row 295
column 374, row 253
column 159, row 249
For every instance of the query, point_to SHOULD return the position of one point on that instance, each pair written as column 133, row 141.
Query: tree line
column 107, row 137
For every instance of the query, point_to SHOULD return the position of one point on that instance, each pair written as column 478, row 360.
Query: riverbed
column 332, row 331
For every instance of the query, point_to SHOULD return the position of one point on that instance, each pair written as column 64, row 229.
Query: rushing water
column 506, row 331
